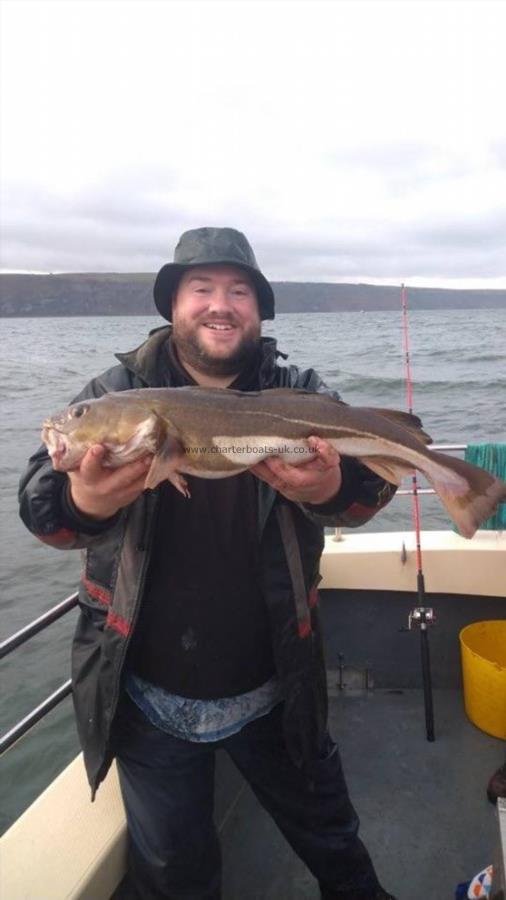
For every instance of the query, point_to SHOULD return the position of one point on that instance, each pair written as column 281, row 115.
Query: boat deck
column 423, row 807
column 424, row 813
column 425, row 817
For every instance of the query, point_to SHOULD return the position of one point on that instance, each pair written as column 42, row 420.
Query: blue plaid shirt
column 202, row 720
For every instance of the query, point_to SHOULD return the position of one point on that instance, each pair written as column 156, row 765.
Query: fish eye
column 79, row 411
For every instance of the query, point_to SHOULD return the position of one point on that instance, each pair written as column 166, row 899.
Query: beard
column 191, row 349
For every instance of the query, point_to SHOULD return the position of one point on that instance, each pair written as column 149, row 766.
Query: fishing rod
column 422, row 616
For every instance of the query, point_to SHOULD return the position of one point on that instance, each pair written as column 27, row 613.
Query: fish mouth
column 56, row 444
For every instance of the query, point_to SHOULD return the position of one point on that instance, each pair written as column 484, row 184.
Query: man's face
column 216, row 323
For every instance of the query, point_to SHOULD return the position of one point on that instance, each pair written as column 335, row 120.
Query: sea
column 458, row 363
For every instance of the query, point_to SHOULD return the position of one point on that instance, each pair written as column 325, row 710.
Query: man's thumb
column 91, row 465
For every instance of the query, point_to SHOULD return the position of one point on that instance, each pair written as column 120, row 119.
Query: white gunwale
column 63, row 847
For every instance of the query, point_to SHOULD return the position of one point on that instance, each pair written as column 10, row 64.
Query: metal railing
column 47, row 618
column 446, row 448
column 17, row 640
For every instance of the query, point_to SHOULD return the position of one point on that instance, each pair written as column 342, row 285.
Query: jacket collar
column 146, row 360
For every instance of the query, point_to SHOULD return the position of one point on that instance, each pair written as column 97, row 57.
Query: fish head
column 127, row 430
column 67, row 436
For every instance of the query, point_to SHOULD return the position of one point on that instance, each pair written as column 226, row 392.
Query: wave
column 481, row 358
column 361, row 382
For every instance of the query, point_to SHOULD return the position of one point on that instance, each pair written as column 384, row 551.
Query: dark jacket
column 116, row 556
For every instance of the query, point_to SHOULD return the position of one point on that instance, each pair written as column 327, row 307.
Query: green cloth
column 491, row 457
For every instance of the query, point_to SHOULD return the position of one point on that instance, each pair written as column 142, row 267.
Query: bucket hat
column 211, row 246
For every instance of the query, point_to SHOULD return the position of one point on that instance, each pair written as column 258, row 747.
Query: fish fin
column 387, row 467
column 285, row 392
column 407, row 420
column 180, row 483
column 469, row 494
column 147, row 438
column 301, row 392
column 164, row 465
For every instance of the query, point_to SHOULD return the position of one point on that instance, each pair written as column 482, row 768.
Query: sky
column 351, row 141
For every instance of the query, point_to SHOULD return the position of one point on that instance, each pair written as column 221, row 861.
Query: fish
column 218, row 433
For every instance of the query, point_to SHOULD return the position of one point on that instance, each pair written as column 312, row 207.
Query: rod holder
column 421, row 617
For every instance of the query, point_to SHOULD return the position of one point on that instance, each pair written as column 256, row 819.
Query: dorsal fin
column 302, row 393
column 408, row 420
column 279, row 392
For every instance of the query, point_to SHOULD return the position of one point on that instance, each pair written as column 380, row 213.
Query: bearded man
column 191, row 636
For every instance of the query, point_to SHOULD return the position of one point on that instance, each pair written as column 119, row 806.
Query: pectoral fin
column 169, row 455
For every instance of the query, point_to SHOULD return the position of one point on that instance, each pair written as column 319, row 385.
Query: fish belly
column 247, row 450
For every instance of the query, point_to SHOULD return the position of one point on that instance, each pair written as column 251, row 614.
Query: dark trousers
column 168, row 791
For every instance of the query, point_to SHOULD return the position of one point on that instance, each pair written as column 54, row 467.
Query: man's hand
column 99, row 492
column 315, row 481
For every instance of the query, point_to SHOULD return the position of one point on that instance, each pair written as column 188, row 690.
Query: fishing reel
column 422, row 617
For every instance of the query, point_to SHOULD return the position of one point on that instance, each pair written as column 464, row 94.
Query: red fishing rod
column 422, row 616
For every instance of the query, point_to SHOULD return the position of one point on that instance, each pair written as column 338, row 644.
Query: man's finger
column 322, row 456
column 324, row 450
column 92, row 469
column 128, row 475
column 91, row 465
column 276, row 473
column 275, row 465
column 284, row 480
column 262, row 471
column 295, row 475
column 137, row 486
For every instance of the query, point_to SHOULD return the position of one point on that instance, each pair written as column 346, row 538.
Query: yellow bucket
column 483, row 650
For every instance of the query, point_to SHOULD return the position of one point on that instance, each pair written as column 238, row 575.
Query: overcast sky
column 361, row 141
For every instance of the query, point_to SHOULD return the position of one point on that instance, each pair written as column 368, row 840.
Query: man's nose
column 220, row 301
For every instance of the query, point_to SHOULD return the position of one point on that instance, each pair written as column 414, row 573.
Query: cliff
column 131, row 294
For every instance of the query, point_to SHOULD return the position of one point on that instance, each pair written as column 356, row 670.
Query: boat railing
column 16, row 640
column 444, row 448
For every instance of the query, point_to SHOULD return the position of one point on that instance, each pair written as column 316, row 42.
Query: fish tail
column 469, row 494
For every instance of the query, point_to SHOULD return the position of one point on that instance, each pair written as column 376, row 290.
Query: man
column 199, row 621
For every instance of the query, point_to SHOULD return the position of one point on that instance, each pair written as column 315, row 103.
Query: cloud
column 365, row 143
column 125, row 224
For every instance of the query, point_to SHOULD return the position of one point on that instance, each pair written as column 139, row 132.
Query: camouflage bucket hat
column 211, row 246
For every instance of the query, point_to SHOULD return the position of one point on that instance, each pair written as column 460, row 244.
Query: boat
column 422, row 803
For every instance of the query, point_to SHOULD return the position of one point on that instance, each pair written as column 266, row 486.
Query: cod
column 216, row 433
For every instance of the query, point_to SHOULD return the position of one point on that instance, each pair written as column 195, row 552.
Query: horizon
column 479, row 284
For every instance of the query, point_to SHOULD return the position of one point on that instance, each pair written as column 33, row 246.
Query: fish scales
column 215, row 433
